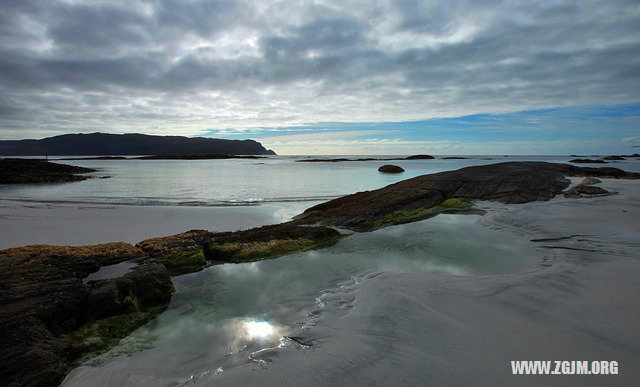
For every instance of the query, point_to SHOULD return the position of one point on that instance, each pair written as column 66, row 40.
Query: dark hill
column 129, row 144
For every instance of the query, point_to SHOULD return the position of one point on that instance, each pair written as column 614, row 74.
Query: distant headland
column 103, row 144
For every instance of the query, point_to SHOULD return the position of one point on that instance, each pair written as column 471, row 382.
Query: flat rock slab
column 511, row 182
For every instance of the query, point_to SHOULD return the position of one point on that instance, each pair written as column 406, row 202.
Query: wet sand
column 68, row 224
column 408, row 329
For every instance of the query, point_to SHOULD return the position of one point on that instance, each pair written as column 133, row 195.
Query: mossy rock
column 96, row 337
column 258, row 250
column 452, row 205
column 184, row 262
column 254, row 251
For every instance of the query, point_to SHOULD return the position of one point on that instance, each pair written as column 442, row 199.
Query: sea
column 239, row 315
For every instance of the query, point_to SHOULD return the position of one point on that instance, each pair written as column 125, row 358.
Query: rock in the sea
column 419, row 157
column 390, row 169
column 24, row 171
column 587, row 161
column 43, row 298
column 617, row 158
column 510, row 182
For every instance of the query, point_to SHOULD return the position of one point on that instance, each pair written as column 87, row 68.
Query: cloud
column 183, row 66
column 321, row 136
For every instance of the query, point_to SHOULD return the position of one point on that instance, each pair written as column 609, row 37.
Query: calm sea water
column 238, row 181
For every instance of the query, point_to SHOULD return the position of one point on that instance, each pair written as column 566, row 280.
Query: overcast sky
column 332, row 77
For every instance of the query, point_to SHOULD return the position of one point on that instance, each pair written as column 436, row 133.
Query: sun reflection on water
column 259, row 330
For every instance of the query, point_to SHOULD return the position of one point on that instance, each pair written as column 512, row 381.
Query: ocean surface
column 233, row 182
column 232, row 315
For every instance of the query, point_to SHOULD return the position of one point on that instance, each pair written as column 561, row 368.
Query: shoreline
column 76, row 224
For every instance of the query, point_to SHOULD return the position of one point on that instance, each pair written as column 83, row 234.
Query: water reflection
column 258, row 330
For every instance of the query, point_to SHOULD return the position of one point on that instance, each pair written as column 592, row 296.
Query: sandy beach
column 417, row 329
column 25, row 223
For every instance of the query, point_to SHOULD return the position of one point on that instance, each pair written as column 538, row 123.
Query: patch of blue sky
column 563, row 123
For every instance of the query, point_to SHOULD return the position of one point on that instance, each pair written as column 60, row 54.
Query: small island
column 28, row 171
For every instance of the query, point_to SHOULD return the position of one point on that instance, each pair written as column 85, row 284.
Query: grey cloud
column 203, row 64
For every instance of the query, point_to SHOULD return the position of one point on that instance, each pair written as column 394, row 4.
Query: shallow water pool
column 220, row 316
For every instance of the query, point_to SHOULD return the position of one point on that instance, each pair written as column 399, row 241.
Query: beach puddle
column 111, row 271
column 233, row 314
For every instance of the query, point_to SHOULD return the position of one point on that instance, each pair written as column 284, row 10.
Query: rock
column 194, row 250
column 390, row 169
column 590, row 181
column 510, row 182
column 454, row 158
column 187, row 241
column 613, row 158
column 24, row 171
column 419, row 157
column 585, row 190
column 587, row 161
column 147, row 286
column 43, row 297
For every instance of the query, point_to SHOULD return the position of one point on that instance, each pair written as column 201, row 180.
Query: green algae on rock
column 194, row 250
column 449, row 206
column 237, row 252
column 184, row 262
column 97, row 337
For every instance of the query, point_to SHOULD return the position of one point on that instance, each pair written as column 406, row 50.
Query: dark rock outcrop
column 43, row 297
column 390, row 169
column 23, row 171
column 454, row 158
column 193, row 250
column 419, row 157
column 616, row 158
column 511, row 182
column 587, row 161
